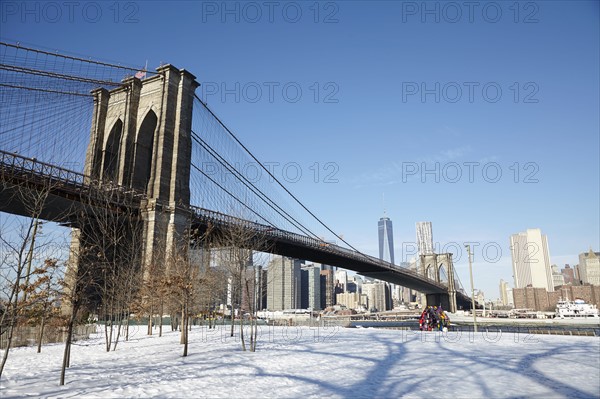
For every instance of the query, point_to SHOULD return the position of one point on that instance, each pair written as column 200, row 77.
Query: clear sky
column 482, row 118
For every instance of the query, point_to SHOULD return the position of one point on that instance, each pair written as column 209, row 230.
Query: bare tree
column 151, row 297
column 18, row 247
column 14, row 265
column 80, row 276
column 237, row 239
column 253, row 291
column 188, row 275
column 212, row 285
column 113, row 234
column 103, row 269
column 41, row 296
column 181, row 282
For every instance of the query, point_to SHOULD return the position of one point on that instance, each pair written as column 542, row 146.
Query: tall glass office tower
column 386, row 240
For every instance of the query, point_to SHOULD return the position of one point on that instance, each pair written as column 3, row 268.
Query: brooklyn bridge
column 94, row 135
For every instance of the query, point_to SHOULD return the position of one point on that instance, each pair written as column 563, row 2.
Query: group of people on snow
column 434, row 318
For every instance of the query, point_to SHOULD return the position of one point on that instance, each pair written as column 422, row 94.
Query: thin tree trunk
column 150, row 321
column 64, row 362
column 108, row 325
column 252, row 317
column 160, row 320
column 105, row 331
column 183, row 327
column 41, row 336
column 9, row 341
column 184, row 331
column 255, row 334
column 232, row 318
column 242, row 332
column 127, row 327
column 242, row 279
column 29, row 259
column 119, row 324
column 251, row 333
column 252, row 338
column 109, row 333
column 13, row 302
column 67, row 353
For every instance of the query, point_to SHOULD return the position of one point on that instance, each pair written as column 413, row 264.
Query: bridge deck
column 294, row 245
column 71, row 192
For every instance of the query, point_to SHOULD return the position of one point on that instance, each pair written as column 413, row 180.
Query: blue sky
column 362, row 68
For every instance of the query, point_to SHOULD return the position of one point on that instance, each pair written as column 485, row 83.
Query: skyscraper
column 283, row 285
column 503, row 292
column 425, row 238
column 327, row 289
column 311, row 287
column 386, row 253
column 531, row 260
column 378, row 294
column 557, row 278
column 569, row 275
column 589, row 267
column 341, row 277
column 386, row 239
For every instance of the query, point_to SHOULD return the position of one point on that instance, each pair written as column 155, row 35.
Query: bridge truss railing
column 23, row 169
column 31, row 166
column 273, row 232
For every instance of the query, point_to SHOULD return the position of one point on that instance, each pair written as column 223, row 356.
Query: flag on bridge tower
column 142, row 74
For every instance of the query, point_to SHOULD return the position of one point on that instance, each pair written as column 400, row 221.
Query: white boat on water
column 576, row 309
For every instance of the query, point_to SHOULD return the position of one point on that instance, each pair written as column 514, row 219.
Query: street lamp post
column 472, row 289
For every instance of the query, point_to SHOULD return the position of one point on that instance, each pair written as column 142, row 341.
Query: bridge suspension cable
column 45, row 102
column 251, row 186
column 220, row 182
column 69, row 57
column 270, row 174
column 226, row 191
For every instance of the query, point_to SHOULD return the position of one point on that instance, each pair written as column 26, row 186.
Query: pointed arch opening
column 443, row 273
column 430, row 272
column 111, row 152
column 144, row 149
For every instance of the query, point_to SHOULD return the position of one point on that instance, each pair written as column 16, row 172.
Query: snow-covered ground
column 312, row 362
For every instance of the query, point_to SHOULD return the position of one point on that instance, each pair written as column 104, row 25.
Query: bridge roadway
column 298, row 246
column 71, row 193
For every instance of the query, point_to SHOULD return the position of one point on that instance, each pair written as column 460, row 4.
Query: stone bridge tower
column 141, row 138
column 431, row 266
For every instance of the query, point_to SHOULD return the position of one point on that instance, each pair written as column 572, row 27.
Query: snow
column 314, row 362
